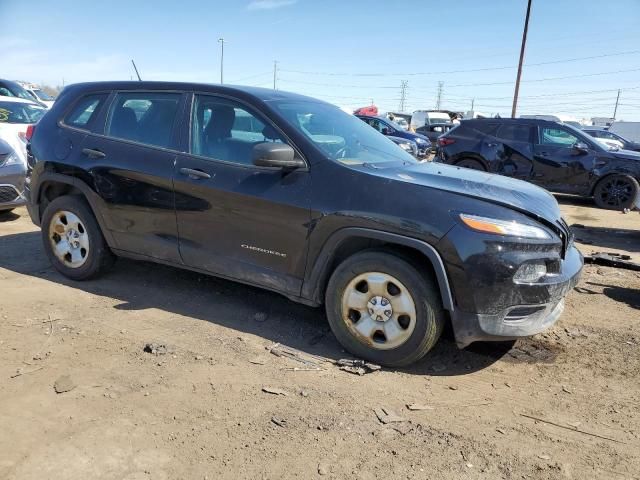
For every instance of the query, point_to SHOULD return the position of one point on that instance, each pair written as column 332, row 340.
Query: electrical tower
column 403, row 93
column 275, row 73
column 439, row 97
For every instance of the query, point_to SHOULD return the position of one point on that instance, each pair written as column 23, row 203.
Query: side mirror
column 580, row 148
column 386, row 131
column 276, row 155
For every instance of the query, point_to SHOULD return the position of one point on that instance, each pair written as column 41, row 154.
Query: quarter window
column 144, row 117
column 225, row 130
column 557, row 137
column 85, row 110
column 514, row 132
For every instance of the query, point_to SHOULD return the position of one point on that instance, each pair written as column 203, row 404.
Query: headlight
column 503, row 227
column 420, row 140
column 12, row 159
column 405, row 146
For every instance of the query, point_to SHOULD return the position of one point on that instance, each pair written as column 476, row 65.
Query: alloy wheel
column 616, row 192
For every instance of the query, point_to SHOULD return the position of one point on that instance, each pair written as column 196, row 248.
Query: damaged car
column 290, row 194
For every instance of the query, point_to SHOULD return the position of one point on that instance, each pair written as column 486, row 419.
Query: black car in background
column 9, row 88
column 603, row 134
column 292, row 194
column 432, row 132
column 387, row 127
column 552, row 155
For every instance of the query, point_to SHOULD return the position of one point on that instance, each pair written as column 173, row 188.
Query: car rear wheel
column 72, row 239
column 382, row 309
column 616, row 192
column 471, row 164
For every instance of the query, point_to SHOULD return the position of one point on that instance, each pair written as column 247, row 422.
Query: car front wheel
column 616, row 192
column 382, row 309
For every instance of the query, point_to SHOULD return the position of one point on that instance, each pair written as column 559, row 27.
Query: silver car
column 13, row 170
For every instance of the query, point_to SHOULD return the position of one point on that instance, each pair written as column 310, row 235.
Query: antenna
column 136, row 69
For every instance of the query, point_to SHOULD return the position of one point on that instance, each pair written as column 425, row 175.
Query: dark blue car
column 387, row 127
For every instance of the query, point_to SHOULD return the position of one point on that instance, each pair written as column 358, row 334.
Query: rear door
column 131, row 166
column 235, row 219
column 558, row 165
column 514, row 150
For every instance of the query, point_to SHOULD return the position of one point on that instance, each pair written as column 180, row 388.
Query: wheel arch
column 471, row 156
column 612, row 173
column 54, row 185
column 348, row 241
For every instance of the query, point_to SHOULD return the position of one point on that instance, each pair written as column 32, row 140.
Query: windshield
column 11, row 112
column 342, row 137
column 42, row 95
column 11, row 89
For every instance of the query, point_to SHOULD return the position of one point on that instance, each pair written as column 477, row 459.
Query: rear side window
column 85, row 111
column 514, row 132
column 144, row 117
column 487, row 128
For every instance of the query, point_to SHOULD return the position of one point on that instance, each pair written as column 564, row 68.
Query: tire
column 7, row 211
column 70, row 219
column 616, row 192
column 471, row 164
column 353, row 309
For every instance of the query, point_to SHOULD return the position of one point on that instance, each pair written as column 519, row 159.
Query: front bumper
column 522, row 320
column 12, row 186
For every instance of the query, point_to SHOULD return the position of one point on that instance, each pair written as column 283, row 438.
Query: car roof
column 17, row 100
column 264, row 94
column 536, row 121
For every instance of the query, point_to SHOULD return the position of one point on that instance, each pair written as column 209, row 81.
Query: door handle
column 194, row 174
column 93, row 153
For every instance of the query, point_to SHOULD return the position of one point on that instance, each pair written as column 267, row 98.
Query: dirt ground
column 564, row 404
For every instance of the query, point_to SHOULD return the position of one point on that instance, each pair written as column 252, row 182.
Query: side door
column 514, row 150
column 130, row 163
column 235, row 219
column 558, row 165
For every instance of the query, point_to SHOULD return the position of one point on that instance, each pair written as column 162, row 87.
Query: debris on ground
column 386, row 415
column 157, row 348
column 281, row 422
column 359, row 367
column 288, row 352
column 275, row 391
column 610, row 259
column 418, row 407
column 323, row 468
column 573, row 429
column 257, row 361
column 64, row 384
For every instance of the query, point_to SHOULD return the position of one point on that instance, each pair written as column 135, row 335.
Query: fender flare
column 95, row 202
column 312, row 285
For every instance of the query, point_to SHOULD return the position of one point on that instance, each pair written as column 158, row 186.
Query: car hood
column 413, row 136
column 626, row 154
column 515, row 194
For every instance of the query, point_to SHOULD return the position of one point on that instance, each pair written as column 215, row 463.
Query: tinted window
column 85, row 110
column 226, row 130
column 14, row 112
column 145, row 117
column 557, row 137
column 487, row 128
column 514, row 132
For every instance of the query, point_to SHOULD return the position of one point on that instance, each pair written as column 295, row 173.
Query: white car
column 16, row 114
column 39, row 95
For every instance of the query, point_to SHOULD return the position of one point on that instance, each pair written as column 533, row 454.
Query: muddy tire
column 72, row 239
column 383, row 310
column 471, row 164
column 616, row 192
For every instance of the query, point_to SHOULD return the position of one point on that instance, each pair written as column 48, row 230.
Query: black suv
column 291, row 194
column 552, row 155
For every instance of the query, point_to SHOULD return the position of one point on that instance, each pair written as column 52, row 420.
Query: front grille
column 8, row 194
column 565, row 234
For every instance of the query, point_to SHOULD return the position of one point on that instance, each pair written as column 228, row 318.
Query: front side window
column 85, row 110
column 18, row 112
column 225, row 130
column 557, row 137
column 514, row 132
column 144, row 117
column 342, row 137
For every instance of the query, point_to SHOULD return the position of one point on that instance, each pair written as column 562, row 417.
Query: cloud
column 269, row 4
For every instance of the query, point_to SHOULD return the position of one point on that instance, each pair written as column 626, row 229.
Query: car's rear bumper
column 521, row 320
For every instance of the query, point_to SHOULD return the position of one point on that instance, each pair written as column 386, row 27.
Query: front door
column 235, row 219
column 558, row 165
column 514, row 150
column 131, row 167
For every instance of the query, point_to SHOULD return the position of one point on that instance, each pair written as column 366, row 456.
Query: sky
column 579, row 52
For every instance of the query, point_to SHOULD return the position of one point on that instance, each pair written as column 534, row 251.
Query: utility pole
column 615, row 110
column 473, row 100
column 522, row 47
column 439, row 97
column 403, row 93
column 275, row 71
column 221, row 42
column 136, row 69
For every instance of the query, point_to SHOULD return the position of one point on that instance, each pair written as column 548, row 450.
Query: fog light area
column 530, row 272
